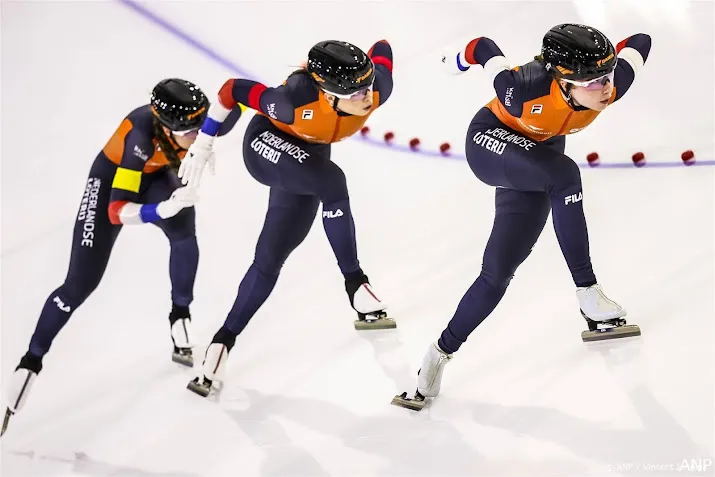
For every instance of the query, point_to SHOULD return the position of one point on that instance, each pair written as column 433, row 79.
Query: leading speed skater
column 516, row 144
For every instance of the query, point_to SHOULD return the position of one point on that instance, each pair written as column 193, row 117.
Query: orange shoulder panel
column 114, row 149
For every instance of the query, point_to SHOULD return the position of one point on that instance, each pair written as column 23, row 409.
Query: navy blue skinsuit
column 516, row 144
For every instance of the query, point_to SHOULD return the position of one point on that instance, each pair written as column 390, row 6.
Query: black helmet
column 179, row 105
column 578, row 52
column 340, row 67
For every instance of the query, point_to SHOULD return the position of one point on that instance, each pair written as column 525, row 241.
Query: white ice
column 306, row 394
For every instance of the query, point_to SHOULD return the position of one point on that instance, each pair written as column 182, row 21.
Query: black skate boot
column 370, row 309
column 180, row 322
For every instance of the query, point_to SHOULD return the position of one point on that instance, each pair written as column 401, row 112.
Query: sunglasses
column 188, row 132
column 357, row 95
column 594, row 84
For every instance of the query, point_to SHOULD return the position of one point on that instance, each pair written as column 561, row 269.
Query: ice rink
column 306, row 394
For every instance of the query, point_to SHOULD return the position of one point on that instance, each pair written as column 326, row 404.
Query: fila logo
column 307, row 114
column 329, row 214
column 537, row 108
column 61, row 305
column 573, row 198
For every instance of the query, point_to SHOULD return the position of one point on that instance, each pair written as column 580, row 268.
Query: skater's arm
column 124, row 196
column 236, row 95
column 632, row 55
column 484, row 52
column 381, row 55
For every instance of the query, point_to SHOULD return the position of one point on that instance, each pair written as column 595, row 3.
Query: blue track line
column 230, row 65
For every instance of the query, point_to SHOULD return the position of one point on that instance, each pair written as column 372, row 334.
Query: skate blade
column 184, row 357
column 413, row 404
column 376, row 324
column 624, row 331
column 201, row 389
column 6, row 421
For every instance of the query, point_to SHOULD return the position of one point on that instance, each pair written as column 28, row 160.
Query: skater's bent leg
column 523, row 164
column 338, row 218
column 518, row 222
column 181, row 232
column 562, row 178
column 88, row 261
column 184, row 255
column 308, row 170
column 288, row 221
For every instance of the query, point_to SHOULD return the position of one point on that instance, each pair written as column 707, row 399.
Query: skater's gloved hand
column 199, row 154
column 181, row 198
column 453, row 63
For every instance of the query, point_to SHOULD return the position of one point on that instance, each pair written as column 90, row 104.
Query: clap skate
column 429, row 379
column 180, row 321
column 212, row 371
column 20, row 385
column 603, row 316
column 370, row 309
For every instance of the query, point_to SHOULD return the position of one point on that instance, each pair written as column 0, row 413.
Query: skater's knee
column 565, row 175
column 272, row 253
column 180, row 227
column 268, row 265
column 333, row 186
column 74, row 292
column 187, row 239
column 497, row 278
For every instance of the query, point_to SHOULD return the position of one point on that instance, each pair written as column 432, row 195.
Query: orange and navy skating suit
column 299, row 108
column 516, row 143
column 287, row 147
column 130, row 169
column 528, row 98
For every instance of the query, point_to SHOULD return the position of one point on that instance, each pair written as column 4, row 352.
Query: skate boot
column 214, row 367
column 370, row 309
column 180, row 320
column 20, row 385
column 603, row 316
column 429, row 379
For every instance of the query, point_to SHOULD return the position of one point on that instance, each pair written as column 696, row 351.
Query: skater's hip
column 274, row 157
column 495, row 152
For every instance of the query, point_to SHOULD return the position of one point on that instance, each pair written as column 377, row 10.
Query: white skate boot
column 603, row 315
column 180, row 321
column 370, row 308
column 20, row 384
column 213, row 370
column 429, row 379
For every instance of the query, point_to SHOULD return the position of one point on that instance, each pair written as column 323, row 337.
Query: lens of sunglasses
column 599, row 83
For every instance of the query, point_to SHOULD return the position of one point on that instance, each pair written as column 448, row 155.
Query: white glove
column 450, row 64
column 199, row 153
column 181, row 198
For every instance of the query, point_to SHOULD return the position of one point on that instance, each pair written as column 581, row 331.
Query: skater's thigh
column 501, row 156
column 519, row 219
column 288, row 221
column 280, row 160
column 159, row 187
column 94, row 235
